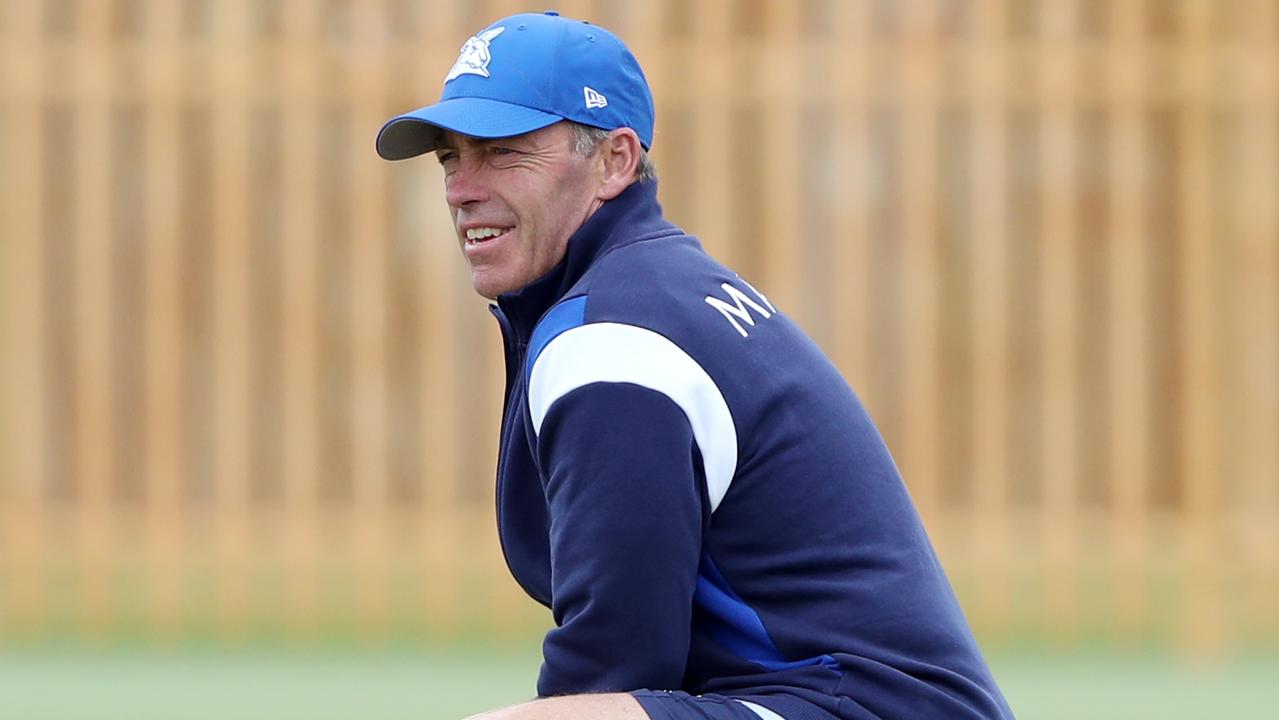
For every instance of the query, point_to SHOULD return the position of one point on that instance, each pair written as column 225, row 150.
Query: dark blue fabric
column 626, row 625
column 817, row 580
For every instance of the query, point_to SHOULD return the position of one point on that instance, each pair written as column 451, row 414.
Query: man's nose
column 465, row 185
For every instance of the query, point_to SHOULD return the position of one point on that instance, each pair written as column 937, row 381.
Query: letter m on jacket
column 737, row 312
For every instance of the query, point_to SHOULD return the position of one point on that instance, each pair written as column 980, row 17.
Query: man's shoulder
column 668, row 300
column 667, row 284
column 647, row 293
column 653, row 263
column 653, row 282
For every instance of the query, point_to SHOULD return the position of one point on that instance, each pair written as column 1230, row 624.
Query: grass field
column 66, row 683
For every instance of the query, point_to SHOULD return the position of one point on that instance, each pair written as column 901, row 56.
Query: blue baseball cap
column 526, row 72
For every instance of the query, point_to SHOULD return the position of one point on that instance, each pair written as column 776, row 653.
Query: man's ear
column 620, row 155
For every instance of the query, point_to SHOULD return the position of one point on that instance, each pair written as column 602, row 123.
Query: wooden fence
column 247, row 389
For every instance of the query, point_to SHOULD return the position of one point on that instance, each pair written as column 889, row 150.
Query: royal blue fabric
column 737, row 627
column 525, row 72
column 564, row 316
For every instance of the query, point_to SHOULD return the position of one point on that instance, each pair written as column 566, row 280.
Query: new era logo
column 594, row 99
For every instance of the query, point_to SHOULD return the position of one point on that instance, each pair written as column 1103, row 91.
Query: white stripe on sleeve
column 760, row 710
column 618, row 353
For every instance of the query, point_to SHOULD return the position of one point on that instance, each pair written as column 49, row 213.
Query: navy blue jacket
column 693, row 489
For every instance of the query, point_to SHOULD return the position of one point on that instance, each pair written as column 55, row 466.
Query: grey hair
column 586, row 139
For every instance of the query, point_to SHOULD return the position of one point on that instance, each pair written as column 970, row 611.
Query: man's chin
column 486, row 293
column 489, row 287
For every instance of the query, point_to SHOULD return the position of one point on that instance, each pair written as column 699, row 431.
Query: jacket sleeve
column 627, row 510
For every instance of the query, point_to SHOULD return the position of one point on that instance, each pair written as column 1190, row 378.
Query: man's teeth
column 484, row 233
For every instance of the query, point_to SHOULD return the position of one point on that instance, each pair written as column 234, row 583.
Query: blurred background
column 250, row 403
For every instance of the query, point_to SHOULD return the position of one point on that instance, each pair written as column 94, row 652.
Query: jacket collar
column 630, row 216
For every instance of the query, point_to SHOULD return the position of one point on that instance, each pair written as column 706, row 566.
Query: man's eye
column 446, row 156
column 498, row 150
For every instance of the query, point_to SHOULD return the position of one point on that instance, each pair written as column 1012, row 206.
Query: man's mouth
column 476, row 236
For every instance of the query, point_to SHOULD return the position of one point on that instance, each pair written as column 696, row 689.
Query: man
column 684, row 479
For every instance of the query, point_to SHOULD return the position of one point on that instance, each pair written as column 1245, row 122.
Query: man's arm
column 626, row 524
column 612, row 706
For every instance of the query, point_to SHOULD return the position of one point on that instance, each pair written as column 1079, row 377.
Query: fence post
column 921, row 431
column 162, row 409
column 23, row 378
column 95, row 533
column 1058, row 332
column 1197, row 299
column 989, row 282
column 1129, row 383
column 1258, row 313
column 299, row 89
column 851, row 71
column 366, row 95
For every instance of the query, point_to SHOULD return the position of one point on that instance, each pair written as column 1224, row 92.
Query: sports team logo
column 474, row 58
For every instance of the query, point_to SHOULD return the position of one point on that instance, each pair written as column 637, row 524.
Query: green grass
column 65, row 683
column 1100, row 686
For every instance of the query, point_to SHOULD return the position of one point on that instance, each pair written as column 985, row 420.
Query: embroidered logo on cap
column 474, row 58
column 593, row 98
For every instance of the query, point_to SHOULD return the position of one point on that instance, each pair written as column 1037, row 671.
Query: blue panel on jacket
column 738, row 628
column 564, row 316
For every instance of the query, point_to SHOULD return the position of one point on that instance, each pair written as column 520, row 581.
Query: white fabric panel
column 761, row 711
column 617, row 353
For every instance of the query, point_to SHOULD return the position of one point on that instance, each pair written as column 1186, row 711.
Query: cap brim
column 418, row 132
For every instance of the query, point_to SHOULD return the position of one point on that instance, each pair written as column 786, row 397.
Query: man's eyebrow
column 518, row 140
column 454, row 142
column 451, row 141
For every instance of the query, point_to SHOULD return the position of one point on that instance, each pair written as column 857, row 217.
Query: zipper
column 510, row 345
column 514, row 361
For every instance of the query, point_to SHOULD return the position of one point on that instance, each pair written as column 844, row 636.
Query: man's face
column 515, row 202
